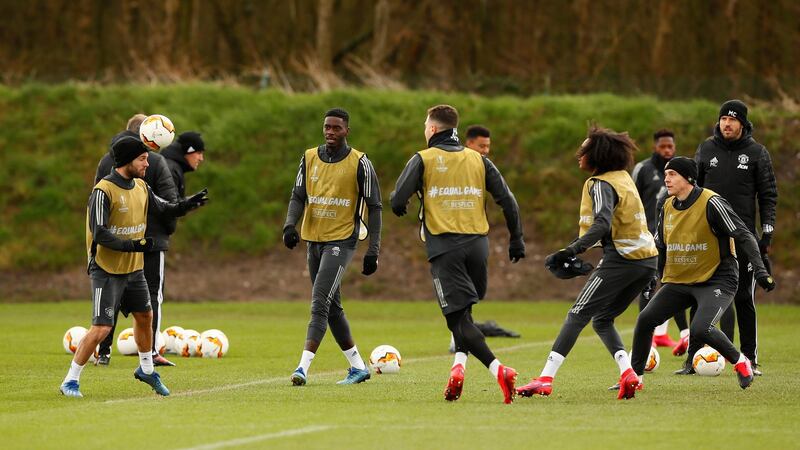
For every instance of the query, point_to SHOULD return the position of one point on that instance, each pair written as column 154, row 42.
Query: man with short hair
column 158, row 227
column 478, row 138
column 695, row 239
column 648, row 176
column 115, row 240
column 611, row 214
column 451, row 184
column 739, row 169
column 334, row 186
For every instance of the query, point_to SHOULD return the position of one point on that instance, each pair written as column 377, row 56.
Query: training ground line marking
column 228, row 387
column 260, row 437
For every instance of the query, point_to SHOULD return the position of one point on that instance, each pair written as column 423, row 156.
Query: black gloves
column 562, row 256
column 764, row 243
column 399, row 210
column 650, row 289
column 370, row 264
column 764, row 247
column 290, row 237
column 139, row 245
column 516, row 250
column 195, row 201
column 766, row 282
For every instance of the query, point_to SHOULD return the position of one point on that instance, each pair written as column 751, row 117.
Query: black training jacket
column 648, row 176
column 741, row 172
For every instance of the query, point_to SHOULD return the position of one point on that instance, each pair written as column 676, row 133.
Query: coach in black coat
column 735, row 166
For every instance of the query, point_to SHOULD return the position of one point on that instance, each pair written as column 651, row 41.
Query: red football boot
column 744, row 371
column 681, row 347
column 628, row 384
column 506, row 378
column 454, row 385
column 663, row 340
column 538, row 386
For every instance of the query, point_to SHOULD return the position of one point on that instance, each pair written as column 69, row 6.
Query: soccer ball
column 171, row 335
column 161, row 343
column 708, row 362
column 156, row 132
column 653, row 360
column 214, row 344
column 72, row 338
column 385, row 359
column 126, row 344
column 189, row 343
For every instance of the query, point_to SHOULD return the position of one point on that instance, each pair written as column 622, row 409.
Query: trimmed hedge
column 53, row 136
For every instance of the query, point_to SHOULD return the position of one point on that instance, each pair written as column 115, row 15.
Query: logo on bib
column 440, row 164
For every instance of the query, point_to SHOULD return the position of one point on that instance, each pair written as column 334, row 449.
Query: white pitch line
column 228, row 387
column 260, row 437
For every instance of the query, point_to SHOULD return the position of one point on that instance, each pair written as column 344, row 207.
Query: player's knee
column 578, row 319
column 602, row 324
column 700, row 331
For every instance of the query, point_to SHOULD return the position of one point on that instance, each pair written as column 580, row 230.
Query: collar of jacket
column 686, row 204
column 659, row 162
column 119, row 180
column 745, row 139
column 445, row 140
column 335, row 155
column 175, row 152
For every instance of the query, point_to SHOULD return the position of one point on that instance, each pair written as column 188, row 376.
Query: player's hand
column 399, row 210
column 650, row 288
column 195, row 201
column 764, row 243
column 141, row 245
column 766, row 282
column 370, row 264
column 561, row 257
column 290, row 237
column 516, row 251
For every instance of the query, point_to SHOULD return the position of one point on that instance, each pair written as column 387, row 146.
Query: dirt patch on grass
column 403, row 273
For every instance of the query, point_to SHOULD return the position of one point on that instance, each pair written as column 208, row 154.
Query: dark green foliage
column 53, row 136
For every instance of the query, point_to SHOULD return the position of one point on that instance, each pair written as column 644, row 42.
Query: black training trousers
column 712, row 299
column 327, row 264
column 607, row 293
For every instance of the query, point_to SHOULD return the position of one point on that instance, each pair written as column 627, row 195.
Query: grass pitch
column 245, row 400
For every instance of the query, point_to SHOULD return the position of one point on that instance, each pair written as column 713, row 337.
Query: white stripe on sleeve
column 723, row 212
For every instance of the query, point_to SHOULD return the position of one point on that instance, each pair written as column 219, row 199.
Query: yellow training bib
column 629, row 230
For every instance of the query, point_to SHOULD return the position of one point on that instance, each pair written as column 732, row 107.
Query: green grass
column 247, row 393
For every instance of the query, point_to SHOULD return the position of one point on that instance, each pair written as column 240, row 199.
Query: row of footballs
column 211, row 343
column 706, row 361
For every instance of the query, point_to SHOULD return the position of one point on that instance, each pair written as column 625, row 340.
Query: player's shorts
column 460, row 275
column 112, row 293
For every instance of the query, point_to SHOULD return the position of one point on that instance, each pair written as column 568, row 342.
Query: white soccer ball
column 214, row 344
column 708, row 362
column 171, row 334
column 653, row 360
column 161, row 343
column 385, row 359
column 189, row 343
column 126, row 344
column 156, row 132
column 72, row 338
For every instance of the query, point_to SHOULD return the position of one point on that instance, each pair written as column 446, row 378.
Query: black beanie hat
column 126, row 149
column 191, row 142
column 736, row 109
column 686, row 167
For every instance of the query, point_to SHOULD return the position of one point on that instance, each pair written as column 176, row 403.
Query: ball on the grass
column 708, row 362
column 385, row 359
